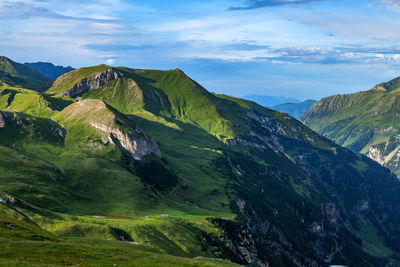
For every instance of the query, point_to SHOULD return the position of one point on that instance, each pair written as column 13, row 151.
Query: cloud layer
column 289, row 52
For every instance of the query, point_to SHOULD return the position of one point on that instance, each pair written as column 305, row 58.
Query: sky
column 293, row 48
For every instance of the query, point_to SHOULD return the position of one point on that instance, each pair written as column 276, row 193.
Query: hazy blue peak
column 49, row 70
column 269, row 101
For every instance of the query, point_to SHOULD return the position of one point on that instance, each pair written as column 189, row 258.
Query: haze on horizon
column 293, row 48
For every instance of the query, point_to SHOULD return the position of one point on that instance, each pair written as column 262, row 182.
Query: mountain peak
column 4, row 59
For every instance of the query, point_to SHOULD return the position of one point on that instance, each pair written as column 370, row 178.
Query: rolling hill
column 365, row 122
column 120, row 164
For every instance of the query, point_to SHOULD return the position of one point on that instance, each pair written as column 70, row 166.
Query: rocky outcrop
column 136, row 142
column 243, row 142
column 8, row 117
column 329, row 211
column 2, row 121
column 56, row 130
column 94, row 81
column 255, row 241
column 378, row 88
column 263, row 141
column 387, row 154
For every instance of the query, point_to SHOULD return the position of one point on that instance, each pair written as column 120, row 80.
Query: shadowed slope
column 22, row 75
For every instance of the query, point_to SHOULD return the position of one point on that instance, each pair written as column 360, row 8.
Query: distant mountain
column 111, row 166
column 270, row 101
column 15, row 73
column 366, row 122
column 49, row 70
column 296, row 110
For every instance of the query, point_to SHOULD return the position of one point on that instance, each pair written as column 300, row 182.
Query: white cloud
column 396, row 57
column 110, row 61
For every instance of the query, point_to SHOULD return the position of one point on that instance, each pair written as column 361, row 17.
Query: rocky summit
column 114, row 166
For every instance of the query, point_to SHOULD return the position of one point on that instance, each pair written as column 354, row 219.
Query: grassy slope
column 17, row 99
column 86, row 177
column 166, row 93
column 177, row 235
column 25, row 244
column 68, row 80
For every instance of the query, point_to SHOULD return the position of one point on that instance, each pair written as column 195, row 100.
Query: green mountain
column 296, row 110
column 18, row 74
column 125, row 166
column 366, row 122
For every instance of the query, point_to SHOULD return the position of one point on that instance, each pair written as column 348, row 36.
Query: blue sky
column 297, row 48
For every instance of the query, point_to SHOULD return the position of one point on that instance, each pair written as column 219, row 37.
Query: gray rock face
column 9, row 118
column 263, row 141
column 2, row 121
column 387, row 154
column 137, row 143
column 329, row 211
column 96, row 80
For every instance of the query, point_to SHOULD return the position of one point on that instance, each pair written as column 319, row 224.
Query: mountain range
column 49, row 70
column 270, row 101
column 296, row 110
column 118, row 166
column 366, row 122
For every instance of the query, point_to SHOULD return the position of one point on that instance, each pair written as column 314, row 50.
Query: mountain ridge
column 365, row 122
column 269, row 101
column 49, row 70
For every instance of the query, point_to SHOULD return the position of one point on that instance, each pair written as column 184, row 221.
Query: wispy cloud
column 338, row 55
column 244, row 46
column 392, row 3
column 115, row 47
column 253, row 4
column 21, row 10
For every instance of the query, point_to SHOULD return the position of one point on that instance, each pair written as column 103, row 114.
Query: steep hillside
column 170, row 94
column 151, row 159
column 296, row 110
column 19, row 74
column 366, row 122
column 49, row 70
column 78, row 81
